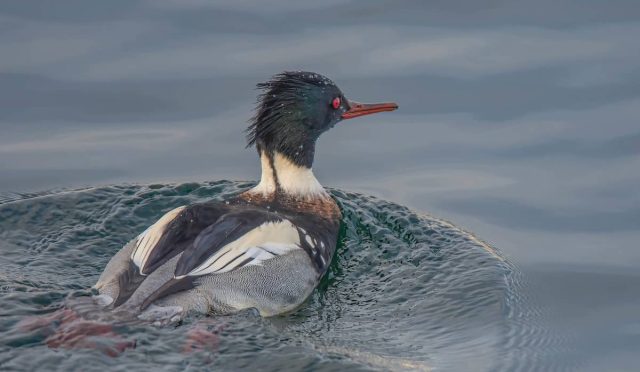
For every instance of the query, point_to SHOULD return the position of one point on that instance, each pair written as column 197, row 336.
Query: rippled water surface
column 405, row 291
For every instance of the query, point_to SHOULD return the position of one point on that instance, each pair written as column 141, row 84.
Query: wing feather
column 173, row 233
column 149, row 239
column 245, row 238
column 237, row 239
column 163, row 240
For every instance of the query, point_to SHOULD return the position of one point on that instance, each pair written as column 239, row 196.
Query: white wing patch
column 150, row 237
column 264, row 242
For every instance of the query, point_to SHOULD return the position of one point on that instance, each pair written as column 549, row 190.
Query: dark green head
column 295, row 108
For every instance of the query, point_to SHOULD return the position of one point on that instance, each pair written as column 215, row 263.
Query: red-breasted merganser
column 265, row 248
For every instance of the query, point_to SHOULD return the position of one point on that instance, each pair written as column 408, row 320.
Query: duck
column 265, row 248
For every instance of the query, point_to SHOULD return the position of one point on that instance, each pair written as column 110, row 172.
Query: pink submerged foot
column 83, row 334
column 202, row 338
column 65, row 329
column 47, row 323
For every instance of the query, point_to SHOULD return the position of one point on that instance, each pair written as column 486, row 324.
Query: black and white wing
column 152, row 246
column 168, row 237
column 238, row 239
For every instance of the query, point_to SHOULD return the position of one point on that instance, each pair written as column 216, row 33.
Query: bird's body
column 251, row 251
column 265, row 248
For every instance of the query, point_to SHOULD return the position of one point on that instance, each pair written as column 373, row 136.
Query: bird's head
column 295, row 108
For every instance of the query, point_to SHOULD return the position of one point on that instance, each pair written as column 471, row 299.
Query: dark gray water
column 518, row 121
column 405, row 291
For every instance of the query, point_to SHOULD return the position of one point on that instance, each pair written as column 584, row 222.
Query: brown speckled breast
column 321, row 206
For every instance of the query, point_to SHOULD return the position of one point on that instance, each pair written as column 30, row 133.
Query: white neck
column 292, row 179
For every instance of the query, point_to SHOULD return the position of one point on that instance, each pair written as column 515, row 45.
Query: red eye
column 336, row 103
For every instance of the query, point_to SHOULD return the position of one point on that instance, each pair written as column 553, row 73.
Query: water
column 517, row 121
column 405, row 291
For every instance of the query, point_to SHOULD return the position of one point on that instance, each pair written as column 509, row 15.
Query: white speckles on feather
column 309, row 241
column 150, row 237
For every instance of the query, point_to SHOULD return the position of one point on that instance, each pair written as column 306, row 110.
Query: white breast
column 292, row 179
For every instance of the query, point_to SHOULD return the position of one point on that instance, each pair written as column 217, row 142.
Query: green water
column 404, row 291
